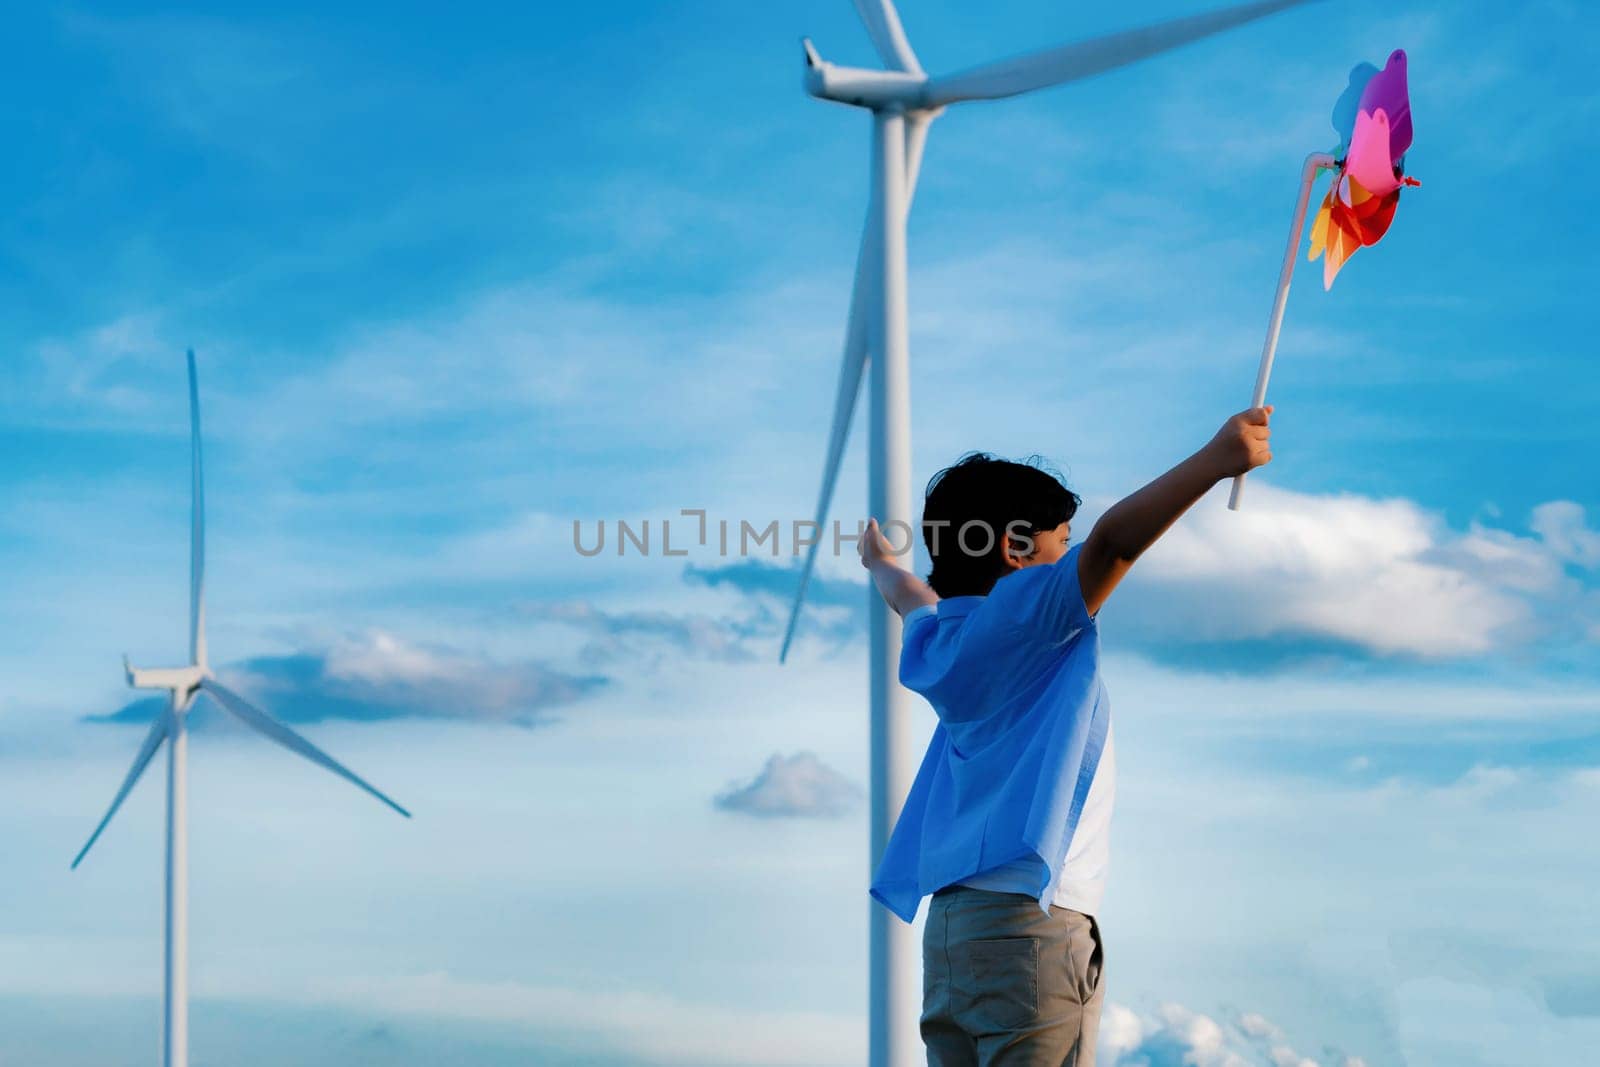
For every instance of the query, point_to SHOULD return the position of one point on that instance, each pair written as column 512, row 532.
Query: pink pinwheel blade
column 1369, row 162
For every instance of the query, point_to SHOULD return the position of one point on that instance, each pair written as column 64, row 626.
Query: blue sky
column 456, row 281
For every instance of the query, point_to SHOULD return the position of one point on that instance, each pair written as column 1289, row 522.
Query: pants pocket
column 1004, row 981
column 1087, row 957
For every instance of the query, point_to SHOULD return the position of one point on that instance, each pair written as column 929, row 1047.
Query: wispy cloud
column 800, row 786
column 1564, row 527
column 756, row 577
column 222, row 82
column 641, row 638
column 834, row 611
column 377, row 676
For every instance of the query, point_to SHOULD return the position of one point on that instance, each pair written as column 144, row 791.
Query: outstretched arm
column 902, row 590
column 1135, row 522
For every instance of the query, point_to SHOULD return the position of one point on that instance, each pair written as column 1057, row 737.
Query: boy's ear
column 1020, row 546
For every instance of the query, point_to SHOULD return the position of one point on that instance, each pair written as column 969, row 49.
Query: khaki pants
column 1005, row 985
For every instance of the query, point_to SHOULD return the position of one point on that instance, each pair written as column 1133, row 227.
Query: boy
column 1006, row 824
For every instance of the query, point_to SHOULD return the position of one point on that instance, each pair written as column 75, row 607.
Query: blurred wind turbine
column 184, row 684
column 903, row 101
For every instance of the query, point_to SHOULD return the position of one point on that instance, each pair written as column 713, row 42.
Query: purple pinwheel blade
column 1387, row 91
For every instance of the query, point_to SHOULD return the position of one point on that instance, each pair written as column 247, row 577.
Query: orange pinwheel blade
column 1319, row 229
column 1344, row 238
column 1334, row 235
column 1350, row 218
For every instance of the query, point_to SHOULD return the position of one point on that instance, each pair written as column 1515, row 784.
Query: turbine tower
column 183, row 684
column 903, row 100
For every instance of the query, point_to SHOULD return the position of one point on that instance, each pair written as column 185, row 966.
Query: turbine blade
column 888, row 36
column 1083, row 59
column 850, row 371
column 197, row 527
column 152, row 741
column 261, row 722
column 916, row 141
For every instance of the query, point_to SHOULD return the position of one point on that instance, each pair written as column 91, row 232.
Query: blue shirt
column 1015, row 680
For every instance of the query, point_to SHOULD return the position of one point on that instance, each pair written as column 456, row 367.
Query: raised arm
column 1136, row 521
column 902, row 590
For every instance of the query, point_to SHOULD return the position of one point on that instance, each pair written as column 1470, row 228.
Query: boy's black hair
column 987, row 495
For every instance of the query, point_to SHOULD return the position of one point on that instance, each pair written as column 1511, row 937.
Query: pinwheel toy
column 1376, row 131
column 1373, row 120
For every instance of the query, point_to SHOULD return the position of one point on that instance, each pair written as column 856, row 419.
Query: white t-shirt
column 1083, row 873
column 1082, row 886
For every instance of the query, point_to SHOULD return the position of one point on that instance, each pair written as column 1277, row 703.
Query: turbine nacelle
column 862, row 86
column 183, row 680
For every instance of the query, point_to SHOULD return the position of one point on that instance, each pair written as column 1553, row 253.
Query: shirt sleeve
column 926, row 611
column 1047, row 600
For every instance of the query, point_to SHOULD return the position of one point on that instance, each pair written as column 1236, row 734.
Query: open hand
column 1243, row 443
column 873, row 546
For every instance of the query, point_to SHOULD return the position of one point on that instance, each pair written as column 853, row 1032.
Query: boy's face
column 1048, row 547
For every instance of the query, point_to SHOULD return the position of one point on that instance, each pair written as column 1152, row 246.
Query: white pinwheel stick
column 1316, row 163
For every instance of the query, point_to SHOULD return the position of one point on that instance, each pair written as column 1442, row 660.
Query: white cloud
column 1385, row 576
column 1564, row 527
column 797, row 785
column 1257, row 1025
column 1173, row 1036
column 1481, row 783
column 1176, row 1036
column 1204, row 1041
column 1121, row 1029
column 380, row 658
column 379, row 675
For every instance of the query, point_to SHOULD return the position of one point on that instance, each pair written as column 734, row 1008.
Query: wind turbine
column 903, row 100
column 183, row 684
